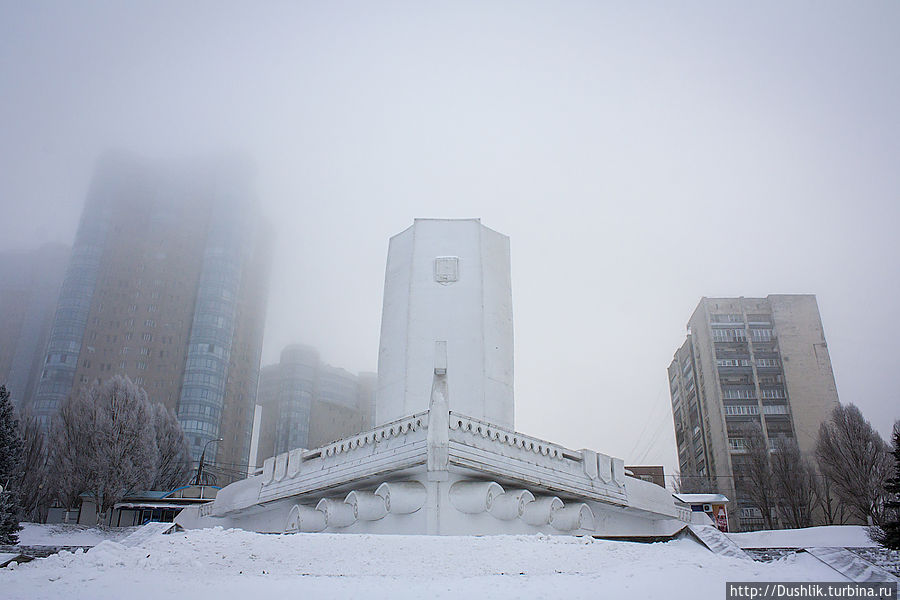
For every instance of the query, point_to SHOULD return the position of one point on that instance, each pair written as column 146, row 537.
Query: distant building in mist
column 748, row 360
column 654, row 474
column 29, row 287
column 306, row 403
column 167, row 284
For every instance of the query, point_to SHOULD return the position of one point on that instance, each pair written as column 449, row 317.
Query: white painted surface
column 216, row 563
column 847, row 536
column 471, row 310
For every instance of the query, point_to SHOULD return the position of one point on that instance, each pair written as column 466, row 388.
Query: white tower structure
column 444, row 457
column 447, row 280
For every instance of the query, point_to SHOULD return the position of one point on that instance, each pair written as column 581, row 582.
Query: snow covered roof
column 148, row 505
column 701, row 498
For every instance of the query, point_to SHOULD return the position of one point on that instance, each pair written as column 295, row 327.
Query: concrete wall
column 809, row 378
column 469, row 306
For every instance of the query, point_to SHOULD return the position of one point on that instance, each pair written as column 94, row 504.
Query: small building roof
column 701, row 498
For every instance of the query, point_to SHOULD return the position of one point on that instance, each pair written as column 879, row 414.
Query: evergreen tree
column 891, row 527
column 10, row 465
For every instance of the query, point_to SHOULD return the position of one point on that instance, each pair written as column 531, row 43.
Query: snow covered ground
column 216, row 563
column 847, row 536
column 35, row 534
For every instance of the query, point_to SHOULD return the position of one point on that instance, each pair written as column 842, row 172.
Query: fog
column 639, row 157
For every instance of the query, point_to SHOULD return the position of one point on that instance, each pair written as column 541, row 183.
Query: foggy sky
column 638, row 156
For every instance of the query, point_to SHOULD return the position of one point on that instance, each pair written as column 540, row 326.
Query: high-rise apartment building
column 29, row 287
column 306, row 403
column 748, row 360
column 166, row 284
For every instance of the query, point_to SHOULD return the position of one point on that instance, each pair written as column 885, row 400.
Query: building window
column 761, row 335
column 727, row 318
column 738, row 394
column 729, row 335
column 732, row 362
column 737, row 444
column 741, row 410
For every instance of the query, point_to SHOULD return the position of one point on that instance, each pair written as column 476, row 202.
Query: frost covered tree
column 34, row 491
column 856, row 460
column 173, row 466
column 691, row 482
column 70, row 441
column 795, row 483
column 889, row 533
column 104, row 444
column 10, row 466
column 755, row 478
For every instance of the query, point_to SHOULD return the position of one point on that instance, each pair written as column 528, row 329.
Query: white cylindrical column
column 402, row 497
column 473, row 497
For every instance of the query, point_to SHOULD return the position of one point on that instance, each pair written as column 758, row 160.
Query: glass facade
column 212, row 330
column 66, row 335
column 296, row 390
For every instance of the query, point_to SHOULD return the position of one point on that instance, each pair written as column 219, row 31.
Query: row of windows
column 150, row 308
column 731, row 409
column 732, row 362
column 753, row 409
column 739, row 335
column 201, row 379
column 195, row 426
column 761, row 335
column 739, row 394
column 738, row 444
column 727, row 318
column 729, row 335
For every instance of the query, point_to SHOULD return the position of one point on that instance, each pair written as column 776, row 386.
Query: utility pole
column 202, row 456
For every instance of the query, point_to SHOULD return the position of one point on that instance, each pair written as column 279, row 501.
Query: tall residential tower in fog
column 29, row 285
column 166, row 284
column 306, row 403
column 748, row 360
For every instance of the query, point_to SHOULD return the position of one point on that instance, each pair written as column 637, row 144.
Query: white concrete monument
column 445, row 458
column 447, row 280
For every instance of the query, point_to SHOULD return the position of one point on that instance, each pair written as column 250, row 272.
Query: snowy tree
column 104, row 444
column 123, row 454
column 173, row 466
column 889, row 532
column 691, row 482
column 755, row 478
column 70, row 443
column 795, row 483
column 34, row 491
column 856, row 460
column 10, row 466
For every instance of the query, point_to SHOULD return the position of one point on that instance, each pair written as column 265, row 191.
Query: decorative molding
column 486, row 430
column 385, row 432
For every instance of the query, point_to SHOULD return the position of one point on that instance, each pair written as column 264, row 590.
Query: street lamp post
column 202, row 455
